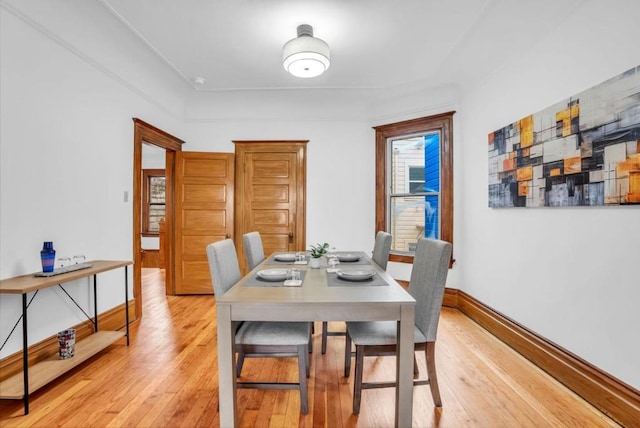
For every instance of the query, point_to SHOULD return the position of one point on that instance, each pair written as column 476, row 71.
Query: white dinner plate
column 356, row 275
column 348, row 257
column 273, row 274
column 285, row 257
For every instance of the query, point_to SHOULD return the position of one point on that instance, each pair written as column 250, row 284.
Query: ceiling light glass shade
column 306, row 56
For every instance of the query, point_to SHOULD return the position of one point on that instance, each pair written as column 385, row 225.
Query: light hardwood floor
column 167, row 377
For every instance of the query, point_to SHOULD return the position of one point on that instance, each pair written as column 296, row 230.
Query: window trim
column 146, row 197
column 444, row 124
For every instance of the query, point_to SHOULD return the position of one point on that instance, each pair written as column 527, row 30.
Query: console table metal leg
column 126, row 301
column 25, row 354
column 95, row 303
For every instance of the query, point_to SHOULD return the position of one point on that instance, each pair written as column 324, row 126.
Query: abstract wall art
column 582, row 151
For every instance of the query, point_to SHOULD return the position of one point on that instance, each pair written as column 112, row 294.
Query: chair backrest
column 223, row 264
column 428, row 279
column 381, row 249
column 253, row 250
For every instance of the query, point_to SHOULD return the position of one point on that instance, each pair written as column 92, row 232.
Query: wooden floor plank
column 168, row 377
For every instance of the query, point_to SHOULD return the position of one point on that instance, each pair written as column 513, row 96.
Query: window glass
column 156, row 202
column 416, row 179
column 415, row 197
column 153, row 210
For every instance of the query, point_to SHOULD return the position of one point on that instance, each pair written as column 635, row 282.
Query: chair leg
column 357, row 383
column 303, row 372
column 239, row 363
column 430, row 354
column 347, row 355
column 307, row 363
column 325, row 329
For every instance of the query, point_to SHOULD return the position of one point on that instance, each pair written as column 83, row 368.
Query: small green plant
column 318, row 250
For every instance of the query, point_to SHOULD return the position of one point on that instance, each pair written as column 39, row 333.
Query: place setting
column 354, row 258
column 299, row 258
column 276, row 278
column 346, row 277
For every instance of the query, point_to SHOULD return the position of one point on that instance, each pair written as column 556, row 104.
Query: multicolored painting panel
column 583, row 151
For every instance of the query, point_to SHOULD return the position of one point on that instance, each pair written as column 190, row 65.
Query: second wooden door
column 270, row 194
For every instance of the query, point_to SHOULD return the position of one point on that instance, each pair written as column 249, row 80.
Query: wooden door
column 270, row 194
column 204, row 214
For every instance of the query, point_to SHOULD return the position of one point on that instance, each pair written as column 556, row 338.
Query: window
column 416, row 179
column 153, row 204
column 414, row 182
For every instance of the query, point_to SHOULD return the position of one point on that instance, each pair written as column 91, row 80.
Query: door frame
column 146, row 133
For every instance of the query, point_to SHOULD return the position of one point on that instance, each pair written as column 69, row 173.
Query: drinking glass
column 300, row 256
column 333, row 261
column 64, row 262
column 293, row 275
column 78, row 258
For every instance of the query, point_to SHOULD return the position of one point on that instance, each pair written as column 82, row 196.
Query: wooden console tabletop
column 27, row 283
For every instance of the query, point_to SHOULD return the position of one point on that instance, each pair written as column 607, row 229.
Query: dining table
column 323, row 295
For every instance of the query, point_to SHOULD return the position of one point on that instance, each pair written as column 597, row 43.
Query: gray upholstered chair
column 427, row 283
column 381, row 249
column 256, row 338
column 253, row 250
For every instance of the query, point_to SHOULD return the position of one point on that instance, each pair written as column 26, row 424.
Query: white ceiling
column 237, row 44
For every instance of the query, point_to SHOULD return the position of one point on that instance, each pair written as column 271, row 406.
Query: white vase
column 314, row 262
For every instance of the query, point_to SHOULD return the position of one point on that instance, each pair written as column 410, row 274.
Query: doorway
column 153, row 204
column 145, row 133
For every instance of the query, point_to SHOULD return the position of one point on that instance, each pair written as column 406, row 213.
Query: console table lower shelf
column 45, row 371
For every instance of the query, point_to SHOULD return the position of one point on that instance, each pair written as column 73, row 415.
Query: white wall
column 66, row 150
column 569, row 274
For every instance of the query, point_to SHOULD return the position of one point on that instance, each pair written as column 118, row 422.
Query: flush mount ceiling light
column 305, row 56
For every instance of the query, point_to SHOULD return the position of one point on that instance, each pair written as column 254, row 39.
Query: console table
column 38, row 375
